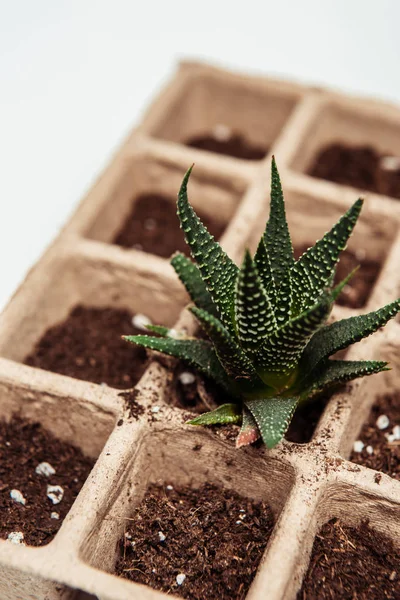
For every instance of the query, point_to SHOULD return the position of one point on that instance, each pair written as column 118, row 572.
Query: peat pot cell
column 138, row 208
column 378, row 445
column 356, row 293
column 361, row 167
column 354, row 147
column 232, row 116
column 204, row 543
column 87, row 345
column 351, row 562
column 40, row 477
column 153, row 226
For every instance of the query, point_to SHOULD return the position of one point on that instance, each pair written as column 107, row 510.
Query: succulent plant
column 269, row 345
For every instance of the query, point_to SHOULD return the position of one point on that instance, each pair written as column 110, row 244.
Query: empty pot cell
column 235, row 117
column 351, row 562
column 309, row 218
column 354, row 147
column 74, row 325
column 44, row 461
column 188, row 520
column 139, row 210
column 378, row 444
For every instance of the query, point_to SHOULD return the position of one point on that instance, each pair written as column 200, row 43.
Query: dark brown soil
column 153, row 226
column 213, row 536
column 23, row 446
column 88, row 345
column 235, row 146
column 349, row 564
column 361, row 167
column 305, row 420
column 357, row 291
column 386, row 456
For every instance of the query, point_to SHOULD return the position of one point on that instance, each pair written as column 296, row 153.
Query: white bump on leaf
column 16, row 537
column 46, row 469
column 358, row 446
column 186, row 378
column 382, row 422
column 180, row 578
column 17, row 496
column 141, row 321
column 55, row 493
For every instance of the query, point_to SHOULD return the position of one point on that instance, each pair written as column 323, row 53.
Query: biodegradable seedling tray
column 305, row 485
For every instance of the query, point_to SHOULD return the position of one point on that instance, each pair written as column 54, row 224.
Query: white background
column 75, row 76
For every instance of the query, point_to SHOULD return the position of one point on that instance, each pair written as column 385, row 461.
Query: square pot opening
column 350, row 506
column 139, row 209
column 183, row 459
column 370, row 133
column 42, row 448
column 209, row 106
column 83, row 299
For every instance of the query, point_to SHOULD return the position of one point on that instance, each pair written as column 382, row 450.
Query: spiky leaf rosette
column 269, row 345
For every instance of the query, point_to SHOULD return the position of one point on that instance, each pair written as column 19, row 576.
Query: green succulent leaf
column 231, row 356
column 249, row 432
column 273, row 416
column 337, row 290
column 339, row 335
column 281, row 352
column 191, row 278
column 279, row 248
column 312, row 273
column 196, row 353
column 218, row 271
column 224, row 414
column 264, row 270
column 335, row 372
column 255, row 319
column 159, row 329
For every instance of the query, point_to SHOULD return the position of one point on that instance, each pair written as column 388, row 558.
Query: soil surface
column 306, row 419
column 235, row 145
column 23, row 446
column 88, row 345
column 153, row 226
column 211, row 538
column 356, row 293
column 386, row 455
column 349, row 564
column 361, row 167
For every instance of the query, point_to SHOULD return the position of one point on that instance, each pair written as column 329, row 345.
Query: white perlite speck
column 155, row 409
column 16, row 537
column 382, row 422
column 169, row 487
column 180, row 578
column 140, row 321
column 45, row 468
column 161, row 536
column 390, row 163
column 54, row 515
column 222, row 132
column 369, row 449
column 55, row 493
column 358, row 446
column 174, row 334
column 396, row 432
column 186, row 378
column 18, row 497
